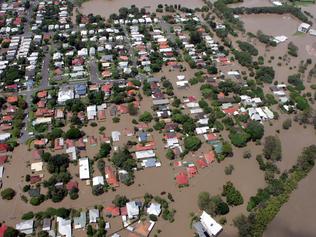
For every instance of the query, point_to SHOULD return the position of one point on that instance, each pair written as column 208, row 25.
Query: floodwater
column 106, row 7
column 252, row 3
column 297, row 217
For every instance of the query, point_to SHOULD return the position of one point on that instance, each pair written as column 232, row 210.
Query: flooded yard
column 106, row 7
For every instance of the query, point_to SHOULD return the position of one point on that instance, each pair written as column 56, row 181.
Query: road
column 45, row 71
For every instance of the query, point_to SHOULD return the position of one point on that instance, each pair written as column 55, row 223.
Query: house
column 4, row 136
column 98, row 180
column 84, row 171
column 3, row 229
column 4, row 147
column 47, row 223
column 1, row 171
column 192, row 170
column 72, row 185
column 154, row 209
column 304, row 27
column 37, row 167
column 94, row 215
column 116, row 136
column 132, row 209
column 144, row 154
column 91, row 112
column 209, row 157
column 143, row 228
column 72, row 151
column 111, row 177
column 182, row 178
column 81, row 221
column 65, row 94
column 64, row 227
column 112, row 211
column 211, row 227
column 80, row 89
column 25, row 227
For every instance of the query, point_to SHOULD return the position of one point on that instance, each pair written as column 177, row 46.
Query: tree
column 120, row 201
column 132, row 110
column 11, row 232
column 255, row 129
column 105, row 150
column 8, row 194
column 146, row 117
column 265, row 74
column 233, row 196
column 287, row 123
column 124, row 160
column 195, row 37
column 27, row 216
column 73, row 133
column 170, row 154
column 239, row 138
column 272, row 148
column 227, row 149
column 192, row 143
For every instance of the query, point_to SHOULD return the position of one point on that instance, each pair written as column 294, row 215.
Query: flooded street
column 107, row 7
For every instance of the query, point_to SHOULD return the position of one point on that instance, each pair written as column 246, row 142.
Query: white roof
column 1, row 171
column 4, row 136
column 132, row 209
column 145, row 154
column 91, row 111
column 154, row 209
column 25, row 227
column 94, row 214
column 116, row 136
column 202, row 130
column 64, row 227
column 181, row 77
column 210, row 225
column 98, row 180
column 84, row 171
column 38, row 166
column 42, row 120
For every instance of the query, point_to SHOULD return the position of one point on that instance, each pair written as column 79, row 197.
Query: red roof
column 12, row 99
column 36, row 154
column 106, row 87
column 42, row 94
column 123, row 109
column 41, row 104
column 123, row 211
column 4, row 147
column 192, row 171
column 230, row 111
column 17, row 21
column 13, row 86
column 71, row 185
column 146, row 147
column 182, row 178
column 201, row 163
column 211, row 137
column 92, row 140
column 101, row 115
column 7, row 118
column 114, row 211
column 78, row 61
column 3, row 229
column 3, row 159
column 110, row 177
column 35, row 179
column 209, row 157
